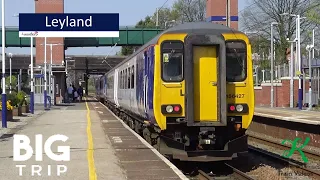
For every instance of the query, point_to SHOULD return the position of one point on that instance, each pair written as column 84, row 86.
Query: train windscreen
column 236, row 56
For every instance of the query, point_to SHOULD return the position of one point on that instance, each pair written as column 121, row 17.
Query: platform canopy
column 96, row 64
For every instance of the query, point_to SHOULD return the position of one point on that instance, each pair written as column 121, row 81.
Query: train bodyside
column 131, row 89
column 109, row 77
column 193, row 92
column 99, row 86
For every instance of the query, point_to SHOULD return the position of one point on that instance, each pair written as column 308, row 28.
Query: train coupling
column 206, row 141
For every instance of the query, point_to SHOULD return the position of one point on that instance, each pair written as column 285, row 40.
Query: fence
column 263, row 75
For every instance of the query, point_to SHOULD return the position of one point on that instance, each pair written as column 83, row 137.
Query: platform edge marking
column 292, row 119
column 91, row 165
column 165, row 160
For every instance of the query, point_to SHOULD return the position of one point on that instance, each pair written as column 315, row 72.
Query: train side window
column 111, row 82
column 236, row 57
column 120, row 80
column 125, row 79
column 122, row 86
column 128, row 77
column 172, row 61
column 132, row 77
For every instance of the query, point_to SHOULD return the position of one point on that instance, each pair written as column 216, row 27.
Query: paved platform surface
column 97, row 162
column 101, row 147
column 139, row 159
column 286, row 114
column 20, row 121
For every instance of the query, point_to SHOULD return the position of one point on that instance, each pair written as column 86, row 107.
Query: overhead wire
column 144, row 26
column 232, row 30
column 130, row 39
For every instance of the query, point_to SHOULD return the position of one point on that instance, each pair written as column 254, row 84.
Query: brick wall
column 281, row 93
column 218, row 8
column 51, row 6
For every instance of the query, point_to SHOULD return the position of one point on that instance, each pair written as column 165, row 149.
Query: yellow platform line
column 91, row 165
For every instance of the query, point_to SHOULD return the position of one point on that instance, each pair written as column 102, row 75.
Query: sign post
column 4, row 96
column 66, row 25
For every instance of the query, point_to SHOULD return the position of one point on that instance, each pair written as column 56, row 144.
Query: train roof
column 189, row 27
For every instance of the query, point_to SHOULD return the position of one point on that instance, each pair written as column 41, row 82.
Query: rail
column 277, row 145
column 293, row 165
column 236, row 174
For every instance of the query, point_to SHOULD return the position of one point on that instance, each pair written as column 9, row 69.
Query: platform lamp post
column 45, row 73
column 298, row 54
column 291, row 70
column 309, row 48
column 313, row 34
column 50, row 69
column 272, row 64
column 31, row 72
column 10, row 76
column 4, row 96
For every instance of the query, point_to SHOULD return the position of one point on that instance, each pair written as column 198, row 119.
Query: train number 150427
column 235, row 95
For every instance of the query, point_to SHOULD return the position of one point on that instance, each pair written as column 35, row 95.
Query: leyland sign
column 68, row 25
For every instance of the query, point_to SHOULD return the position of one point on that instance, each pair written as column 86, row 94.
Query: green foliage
column 14, row 81
column 126, row 50
column 181, row 11
column 190, row 10
column 21, row 96
column 313, row 14
column 13, row 98
column 146, row 23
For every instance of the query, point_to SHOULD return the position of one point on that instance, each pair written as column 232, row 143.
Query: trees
column 146, row 23
column 181, row 11
column 314, row 15
column 261, row 13
column 190, row 10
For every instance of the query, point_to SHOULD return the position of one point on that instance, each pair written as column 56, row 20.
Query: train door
column 115, row 87
column 145, row 84
column 206, row 85
column 105, row 87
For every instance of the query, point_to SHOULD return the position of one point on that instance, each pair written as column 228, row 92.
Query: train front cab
column 206, row 111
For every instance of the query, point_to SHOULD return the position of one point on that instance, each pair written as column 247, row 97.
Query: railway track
column 236, row 174
column 239, row 175
column 294, row 165
column 277, row 145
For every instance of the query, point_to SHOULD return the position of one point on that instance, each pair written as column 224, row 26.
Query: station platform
column 101, row 147
column 289, row 114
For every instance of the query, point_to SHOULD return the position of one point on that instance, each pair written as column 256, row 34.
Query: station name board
column 68, row 25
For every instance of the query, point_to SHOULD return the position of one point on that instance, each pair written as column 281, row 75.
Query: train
column 189, row 92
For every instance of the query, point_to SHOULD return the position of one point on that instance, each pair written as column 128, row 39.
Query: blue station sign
column 68, row 25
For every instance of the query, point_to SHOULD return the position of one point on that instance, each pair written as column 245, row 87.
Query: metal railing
column 264, row 75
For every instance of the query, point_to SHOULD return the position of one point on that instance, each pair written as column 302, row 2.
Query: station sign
column 68, row 25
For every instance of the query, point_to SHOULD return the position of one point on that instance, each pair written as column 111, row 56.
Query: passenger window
column 120, row 80
column 172, row 61
column 236, row 58
column 128, row 77
column 132, row 77
column 125, row 79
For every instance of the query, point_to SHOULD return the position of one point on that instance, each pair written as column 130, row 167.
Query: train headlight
column 169, row 109
column 239, row 108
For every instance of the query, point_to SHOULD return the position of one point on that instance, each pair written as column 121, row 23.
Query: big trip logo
column 22, row 142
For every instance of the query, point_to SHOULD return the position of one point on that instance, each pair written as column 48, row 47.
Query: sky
column 128, row 16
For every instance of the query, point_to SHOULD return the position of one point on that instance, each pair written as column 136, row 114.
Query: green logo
column 289, row 153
